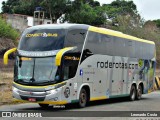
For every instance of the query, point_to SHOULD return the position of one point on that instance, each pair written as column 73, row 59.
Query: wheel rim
column 83, row 98
column 139, row 93
column 133, row 95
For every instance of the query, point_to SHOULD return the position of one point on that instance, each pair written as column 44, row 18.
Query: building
column 21, row 22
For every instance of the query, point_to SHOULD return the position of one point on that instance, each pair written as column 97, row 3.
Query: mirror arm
column 60, row 54
column 5, row 57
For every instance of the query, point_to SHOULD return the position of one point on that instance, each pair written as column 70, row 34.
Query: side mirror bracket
column 5, row 57
column 60, row 54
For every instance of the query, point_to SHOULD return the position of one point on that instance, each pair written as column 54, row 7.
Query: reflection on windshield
column 42, row 40
column 45, row 69
column 37, row 69
column 25, row 68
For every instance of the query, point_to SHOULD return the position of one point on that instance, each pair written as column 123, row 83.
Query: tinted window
column 75, row 38
column 106, row 44
column 115, row 46
column 119, row 46
column 131, row 48
column 92, row 43
column 99, row 43
column 42, row 40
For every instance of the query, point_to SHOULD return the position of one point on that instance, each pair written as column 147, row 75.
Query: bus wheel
column 139, row 93
column 82, row 98
column 132, row 93
column 43, row 105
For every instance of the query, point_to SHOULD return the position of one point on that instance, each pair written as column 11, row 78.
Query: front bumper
column 44, row 97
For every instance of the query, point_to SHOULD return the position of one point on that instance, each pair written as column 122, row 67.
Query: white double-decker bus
column 68, row 63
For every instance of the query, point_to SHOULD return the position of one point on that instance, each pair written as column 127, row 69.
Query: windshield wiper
column 19, row 80
column 32, row 80
column 48, row 82
column 22, row 81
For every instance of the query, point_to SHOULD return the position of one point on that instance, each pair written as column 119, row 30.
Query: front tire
column 132, row 93
column 139, row 93
column 43, row 105
column 82, row 98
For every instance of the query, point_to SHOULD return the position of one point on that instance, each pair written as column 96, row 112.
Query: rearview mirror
column 7, row 53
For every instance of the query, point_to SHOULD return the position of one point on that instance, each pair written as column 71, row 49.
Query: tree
column 85, row 12
column 121, row 8
column 126, row 7
column 26, row 7
column 77, row 11
column 7, row 7
column 157, row 22
column 86, row 15
column 53, row 8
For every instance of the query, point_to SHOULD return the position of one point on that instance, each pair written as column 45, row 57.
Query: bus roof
column 90, row 28
column 118, row 34
column 60, row 26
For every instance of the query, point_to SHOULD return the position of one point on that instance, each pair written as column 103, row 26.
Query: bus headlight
column 15, row 89
column 54, row 91
column 60, row 85
column 55, row 87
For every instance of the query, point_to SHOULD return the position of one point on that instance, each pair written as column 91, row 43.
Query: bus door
column 69, row 69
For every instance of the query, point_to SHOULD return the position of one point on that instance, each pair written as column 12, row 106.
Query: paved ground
column 149, row 102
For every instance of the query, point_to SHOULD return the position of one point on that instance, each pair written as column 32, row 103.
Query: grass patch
column 6, row 79
column 6, row 31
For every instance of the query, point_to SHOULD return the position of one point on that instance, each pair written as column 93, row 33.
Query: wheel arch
column 87, row 87
column 135, row 84
column 142, row 85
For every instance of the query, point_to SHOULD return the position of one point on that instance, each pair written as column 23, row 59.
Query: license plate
column 32, row 99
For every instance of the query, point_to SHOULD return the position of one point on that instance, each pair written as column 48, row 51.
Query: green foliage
column 157, row 22
column 120, row 8
column 56, row 8
column 53, row 8
column 86, row 15
column 25, row 7
column 7, row 31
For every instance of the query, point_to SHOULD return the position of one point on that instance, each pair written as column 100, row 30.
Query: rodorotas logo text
column 116, row 65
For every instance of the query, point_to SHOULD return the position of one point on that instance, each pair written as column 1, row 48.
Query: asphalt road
column 149, row 102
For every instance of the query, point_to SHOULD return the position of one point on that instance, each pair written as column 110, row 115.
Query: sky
column 148, row 9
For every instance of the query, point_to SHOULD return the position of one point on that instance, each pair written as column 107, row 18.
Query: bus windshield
column 51, row 39
column 42, row 39
column 37, row 70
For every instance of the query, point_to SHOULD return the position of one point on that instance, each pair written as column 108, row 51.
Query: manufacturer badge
column 67, row 92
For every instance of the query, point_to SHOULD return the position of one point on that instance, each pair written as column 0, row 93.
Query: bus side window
column 92, row 42
column 69, row 71
column 66, row 73
column 98, row 43
column 131, row 49
column 106, row 44
column 75, row 37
